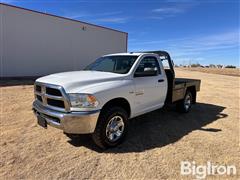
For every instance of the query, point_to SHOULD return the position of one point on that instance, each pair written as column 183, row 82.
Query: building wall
column 35, row 44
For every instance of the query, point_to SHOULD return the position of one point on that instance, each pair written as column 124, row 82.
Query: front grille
column 54, row 92
column 57, row 103
column 38, row 88
column 39, row 98
column 51, row 96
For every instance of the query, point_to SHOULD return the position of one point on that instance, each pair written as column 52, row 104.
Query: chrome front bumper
column 73, row 122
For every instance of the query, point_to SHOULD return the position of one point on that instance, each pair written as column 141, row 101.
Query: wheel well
column 120, row 102
column 192, row 89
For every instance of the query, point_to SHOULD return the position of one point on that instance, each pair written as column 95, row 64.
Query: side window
column 148, row 62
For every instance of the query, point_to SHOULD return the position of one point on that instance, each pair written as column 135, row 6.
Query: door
column 150, row 89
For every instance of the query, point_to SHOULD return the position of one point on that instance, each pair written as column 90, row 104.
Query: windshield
column 114, row 64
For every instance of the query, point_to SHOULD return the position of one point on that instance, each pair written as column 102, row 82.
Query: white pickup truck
column 115, row 88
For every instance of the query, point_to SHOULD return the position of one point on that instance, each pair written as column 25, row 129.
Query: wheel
column 185, row 105
column 111, row 127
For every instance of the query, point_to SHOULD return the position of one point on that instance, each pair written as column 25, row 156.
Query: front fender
column 111, row 90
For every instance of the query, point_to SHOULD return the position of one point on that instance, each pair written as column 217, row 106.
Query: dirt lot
column 155, row 146
column 225, row 71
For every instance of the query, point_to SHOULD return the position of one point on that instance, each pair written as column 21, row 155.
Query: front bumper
column 72, row 122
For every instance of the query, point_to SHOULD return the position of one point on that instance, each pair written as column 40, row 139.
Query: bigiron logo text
column 203, row 170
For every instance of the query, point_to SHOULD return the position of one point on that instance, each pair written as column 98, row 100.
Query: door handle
column 139, row 93
column 160, row 80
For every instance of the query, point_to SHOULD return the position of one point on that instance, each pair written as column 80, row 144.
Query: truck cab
column 102, row 98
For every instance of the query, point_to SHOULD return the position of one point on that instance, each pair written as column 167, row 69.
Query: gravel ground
column 156, row 143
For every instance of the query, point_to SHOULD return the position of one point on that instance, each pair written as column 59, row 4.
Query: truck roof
column 127, row 54
column 158, row 52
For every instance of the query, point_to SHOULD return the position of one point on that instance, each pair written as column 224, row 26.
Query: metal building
column 34, row 43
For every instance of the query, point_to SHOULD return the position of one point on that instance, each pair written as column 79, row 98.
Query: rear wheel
column 185, row 105
column 111, row 127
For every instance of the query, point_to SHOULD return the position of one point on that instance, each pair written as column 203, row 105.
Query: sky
column 192, row 31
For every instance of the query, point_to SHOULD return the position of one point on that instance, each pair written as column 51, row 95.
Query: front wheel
column 185, row 104
column 111, row 127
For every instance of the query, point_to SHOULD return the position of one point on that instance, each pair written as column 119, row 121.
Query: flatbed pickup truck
column 100, row 99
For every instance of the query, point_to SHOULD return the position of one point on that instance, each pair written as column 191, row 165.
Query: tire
column 109, row 126
column 184, row 105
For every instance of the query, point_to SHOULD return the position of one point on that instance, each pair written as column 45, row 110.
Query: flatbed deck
column 181, row 85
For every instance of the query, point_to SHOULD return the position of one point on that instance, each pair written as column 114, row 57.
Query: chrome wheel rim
column 115, row 128
column 187, row 101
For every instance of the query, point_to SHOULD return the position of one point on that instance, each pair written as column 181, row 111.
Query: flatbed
column 181, row 85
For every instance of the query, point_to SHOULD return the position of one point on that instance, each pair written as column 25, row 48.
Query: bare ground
column 156, row 144
column 224, row 71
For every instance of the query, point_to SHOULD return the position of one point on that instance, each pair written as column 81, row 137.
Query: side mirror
column 147, row 72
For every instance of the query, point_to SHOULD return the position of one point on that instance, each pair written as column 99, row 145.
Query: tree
column 196, row 65
column 230, row 66
column 212, row 65
column 219, row 66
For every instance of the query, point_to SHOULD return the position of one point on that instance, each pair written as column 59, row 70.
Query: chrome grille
column 52, row 96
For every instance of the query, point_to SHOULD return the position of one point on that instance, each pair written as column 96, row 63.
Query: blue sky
column 193, row 31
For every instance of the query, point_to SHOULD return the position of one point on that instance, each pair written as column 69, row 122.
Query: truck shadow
column 160, row 128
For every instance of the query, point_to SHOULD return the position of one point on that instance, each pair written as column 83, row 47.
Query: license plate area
column 41, row 121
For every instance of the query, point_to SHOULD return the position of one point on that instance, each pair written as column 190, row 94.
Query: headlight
column 83, row 101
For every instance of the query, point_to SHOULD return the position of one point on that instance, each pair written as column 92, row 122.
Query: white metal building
column 34, row 43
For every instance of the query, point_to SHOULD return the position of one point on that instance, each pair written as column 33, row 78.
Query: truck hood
column 72, row 81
